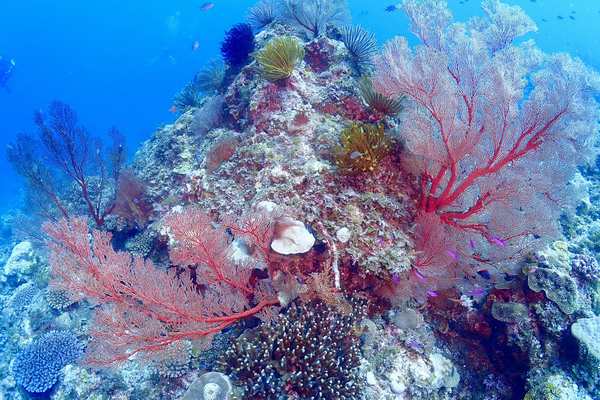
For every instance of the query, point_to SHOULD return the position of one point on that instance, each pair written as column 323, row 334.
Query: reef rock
column 22, row 263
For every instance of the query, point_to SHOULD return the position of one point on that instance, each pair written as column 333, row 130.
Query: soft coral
column 494, row 133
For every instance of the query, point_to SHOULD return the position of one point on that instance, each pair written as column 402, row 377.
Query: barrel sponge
column 37, row 367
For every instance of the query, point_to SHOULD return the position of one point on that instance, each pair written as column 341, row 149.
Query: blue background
column 119, row 62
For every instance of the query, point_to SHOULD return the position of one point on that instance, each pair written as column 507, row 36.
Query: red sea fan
column 143, row 309
column 494, row 132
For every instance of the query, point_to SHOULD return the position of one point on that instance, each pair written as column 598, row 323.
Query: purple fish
column 497, row 241
column 432, row 293
column 420, row 276
column 477, row 292
column 453, row 254
column 472, row 244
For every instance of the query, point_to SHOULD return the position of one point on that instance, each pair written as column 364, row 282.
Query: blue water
column 120, row 62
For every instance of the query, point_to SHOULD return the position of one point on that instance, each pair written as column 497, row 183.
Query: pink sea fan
column 494, row 130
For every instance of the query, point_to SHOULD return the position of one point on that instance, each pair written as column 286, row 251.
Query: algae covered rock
column 555, row 387
column 22, row 263
column 509, row 312
column 558, row 287
column 587, row 333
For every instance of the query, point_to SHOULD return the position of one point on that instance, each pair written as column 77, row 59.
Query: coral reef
column 37, row 367
column 311, row 352
column 428, row 193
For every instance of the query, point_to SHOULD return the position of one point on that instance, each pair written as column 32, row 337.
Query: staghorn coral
column 279, row 57
column 311, row 352
column 361, row 45
column 378, row 102
column 362, row 148
column 238, row 45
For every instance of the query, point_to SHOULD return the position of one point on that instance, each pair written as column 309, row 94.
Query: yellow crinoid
column 279, row 57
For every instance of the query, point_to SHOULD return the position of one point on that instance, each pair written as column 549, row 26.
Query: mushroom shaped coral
column 291, row 237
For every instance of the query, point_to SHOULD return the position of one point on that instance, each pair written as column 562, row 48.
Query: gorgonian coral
column 311, row 352
column 361, row 149
column 262, row 13
column 237, row 45
column 313, row 16
column 494, row 131
column 279, row 57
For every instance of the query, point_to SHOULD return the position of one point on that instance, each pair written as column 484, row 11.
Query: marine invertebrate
column 74, row 157
column 493, row 134
column 312, row 352
column 209, row 386
column 361, row 149
column 37, row 367
column 361, row 45
column 279, row 57
column 188, row 97
column 143, row 309
column 378, row 102
column 313, row 16
column 210, row 79
column 291, row 237
column 131, row 201
column 237, row 45
column 262, row 13
column 22, row 297
column 58, row 299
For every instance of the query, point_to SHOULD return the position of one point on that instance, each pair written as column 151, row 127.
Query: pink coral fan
column 494, row 129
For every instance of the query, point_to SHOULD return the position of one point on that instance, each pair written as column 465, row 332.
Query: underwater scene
column 300, row 199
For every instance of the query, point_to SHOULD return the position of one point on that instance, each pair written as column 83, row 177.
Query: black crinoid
column 238, row 45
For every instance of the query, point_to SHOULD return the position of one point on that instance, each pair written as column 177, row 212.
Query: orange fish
column 173, row 109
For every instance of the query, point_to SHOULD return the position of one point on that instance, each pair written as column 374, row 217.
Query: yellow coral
column 279, row 58
column 362, row 147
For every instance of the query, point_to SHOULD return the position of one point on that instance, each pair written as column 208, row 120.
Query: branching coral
column 67, row 155
column 362, row 147
column 378, row 102
column 312, row 352
column 37, row 367
column 361, row 45
column 143, row 310
column 279, row 58
column 313, row 16
column 493, row 134
column 237, row 45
